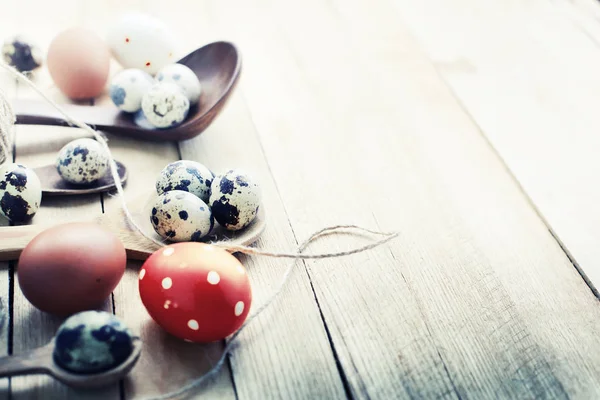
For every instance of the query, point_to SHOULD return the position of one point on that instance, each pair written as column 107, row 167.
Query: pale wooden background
column 471, row 126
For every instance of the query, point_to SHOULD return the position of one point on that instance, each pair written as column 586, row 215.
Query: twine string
column 7, row 119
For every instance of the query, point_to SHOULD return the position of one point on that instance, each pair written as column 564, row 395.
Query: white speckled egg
column 128, row 87
column 82, row 161
column 183, row 77
column 138, row 40
column 20, row 192
column 165, row 105
column 181, row 217
column 189, row 176
column 234, row 199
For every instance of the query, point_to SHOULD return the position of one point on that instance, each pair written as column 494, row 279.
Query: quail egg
column 234, row 199
column 165, row 105
column 82, row 161
column 128, row 87
column 20, row 192
column 181, row 217
column 92, row 342
column 183, row 77
column 21, row 54
column 189, row 176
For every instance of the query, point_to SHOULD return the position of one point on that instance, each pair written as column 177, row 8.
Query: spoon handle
column 32, row 112
column 36, row 361
column 13, row 239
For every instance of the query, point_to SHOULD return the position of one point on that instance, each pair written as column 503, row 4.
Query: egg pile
column 190, row 199
column 164, row 101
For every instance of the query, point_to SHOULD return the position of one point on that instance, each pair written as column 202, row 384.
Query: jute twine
column 7, row 119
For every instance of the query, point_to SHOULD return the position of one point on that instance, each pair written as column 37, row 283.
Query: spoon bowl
column 217, row 65
column 54, row 185
column 41, row 361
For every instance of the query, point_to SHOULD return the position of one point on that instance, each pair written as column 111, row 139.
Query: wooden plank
column 539, row 59
column 476, row 299
column 267, row 359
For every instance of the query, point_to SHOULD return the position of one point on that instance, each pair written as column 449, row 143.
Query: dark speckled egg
column 180, row 216
column 21, row 54
column 186, row 175
column 234, row 199
column 20, row 192
column 91, row 342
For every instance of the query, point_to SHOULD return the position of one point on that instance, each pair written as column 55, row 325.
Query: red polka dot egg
column 195, row 291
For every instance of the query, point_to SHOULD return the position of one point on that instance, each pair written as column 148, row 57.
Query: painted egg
column 82, row 161
column 189, row 176
column 78, row 61
column 195, row 291
column 71, row 267
column 21, row 54
column 183, row 77
column 181, row 217
column 20, row 192
column 165, row 105
column 128, row 87
column 92, row 342
column 234, row 199
column 140, row 41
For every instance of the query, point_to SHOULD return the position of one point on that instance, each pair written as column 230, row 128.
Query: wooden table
column 470, row 126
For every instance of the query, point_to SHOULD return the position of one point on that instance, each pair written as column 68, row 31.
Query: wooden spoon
column 41, row 361
column 217, row 66
column 54, row 185
column 13, row 239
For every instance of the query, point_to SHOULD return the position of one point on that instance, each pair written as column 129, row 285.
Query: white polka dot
column 239, row 308
column 241, row 269
column 193, row 325
column 213, row 278
column 168, row 251
column 142, row 274
column 167, row 304
column 167, row 283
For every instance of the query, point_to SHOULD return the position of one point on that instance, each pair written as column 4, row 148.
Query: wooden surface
column 469, row 126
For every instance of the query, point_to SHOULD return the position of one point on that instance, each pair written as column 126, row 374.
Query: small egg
column 189, row 176
column 92, row 342
column 71, row 267
column 78, row 62
column 82, row 161
column 234, row 199
column 21, row 54
column 183, row 77
column 140, row 41
column 20, row 192
column 128, row 87
column 165, row 105
column 181, row 217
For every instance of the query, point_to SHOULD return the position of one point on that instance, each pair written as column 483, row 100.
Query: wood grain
column 539, row 59
column 465, row 304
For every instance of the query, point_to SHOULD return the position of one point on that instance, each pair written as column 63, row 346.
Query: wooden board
column 465, row 303
column 527, row 73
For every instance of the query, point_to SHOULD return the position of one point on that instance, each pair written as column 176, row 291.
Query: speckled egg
column 82, row 161
column 189, row 176
column 234, row 199
column 165, row 105
column 92, row 342
column 20, row 192
column 183, row 77
column 181, row 217
column 21, row 54
column 128, row 87
column 141, row 41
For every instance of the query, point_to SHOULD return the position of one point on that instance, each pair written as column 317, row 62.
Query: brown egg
column 78, row 61
column 70, row 268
